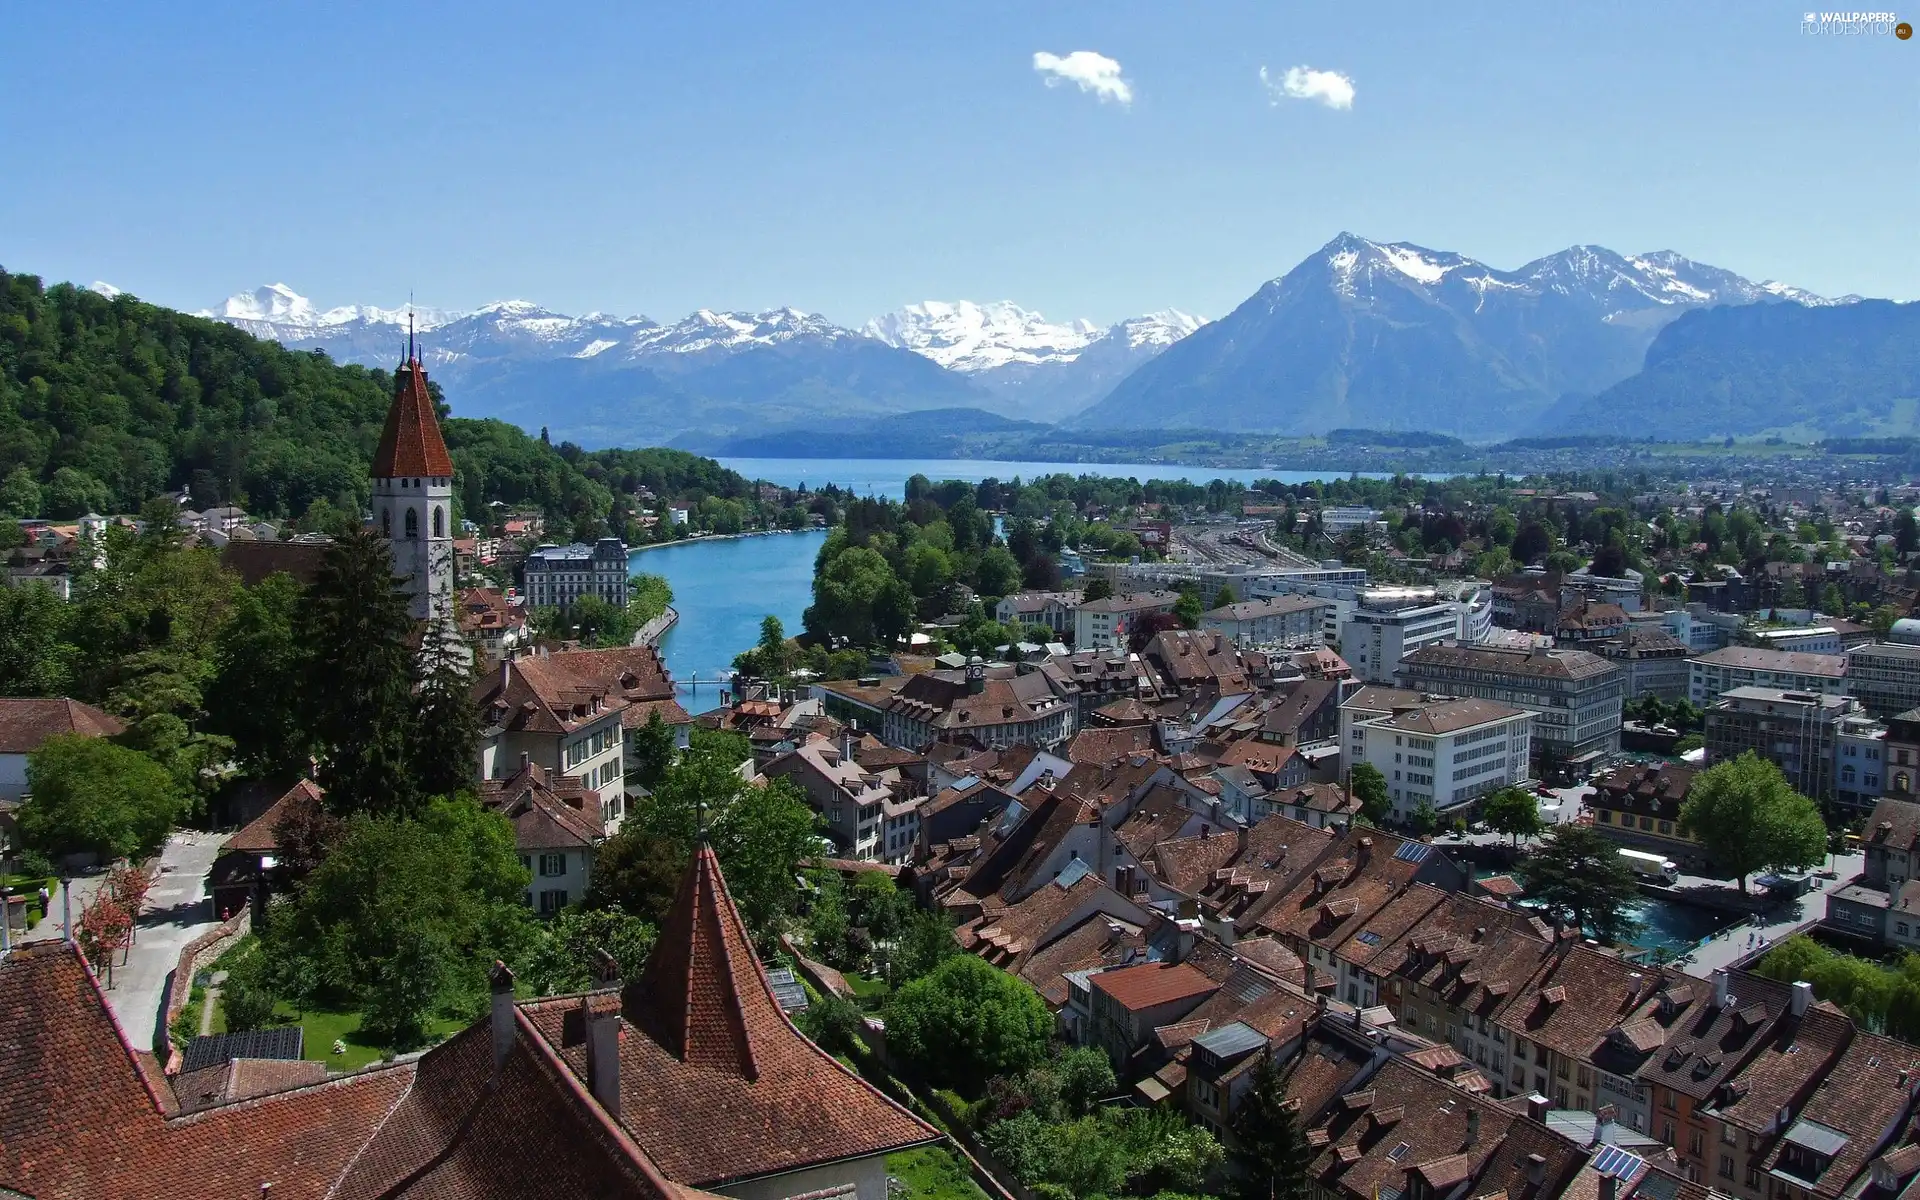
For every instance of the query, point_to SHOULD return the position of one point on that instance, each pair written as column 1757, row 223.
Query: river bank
column 714, row 537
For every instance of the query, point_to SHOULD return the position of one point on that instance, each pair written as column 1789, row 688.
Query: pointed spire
column 411, row 444
column 703, row 996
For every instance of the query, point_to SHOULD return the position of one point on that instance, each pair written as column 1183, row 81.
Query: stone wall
column 194, row 956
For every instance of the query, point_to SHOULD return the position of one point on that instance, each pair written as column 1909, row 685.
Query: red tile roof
column 548, row 811
column 25, row 722
column 411, row 445
column 260, row 835
column 1150, row 985
column 715, row 1082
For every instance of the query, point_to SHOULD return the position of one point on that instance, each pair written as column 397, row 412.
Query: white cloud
column 1330, row 88
column 1093, row 72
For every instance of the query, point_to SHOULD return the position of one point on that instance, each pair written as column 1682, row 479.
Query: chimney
column 1537, row 1107
column 603, row 1056
column 1536, row 1169
column 1473, row 1125
column 1240, row 838
column 1609, row 1187
column 846, row 746
column 525, row 758
column 1719, row 987
column 1802, row 997
column 1319, row 998
column 500, row 981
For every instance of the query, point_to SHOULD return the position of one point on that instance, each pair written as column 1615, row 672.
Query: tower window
column 413, row 524
column 386, row 522
column 439, row 528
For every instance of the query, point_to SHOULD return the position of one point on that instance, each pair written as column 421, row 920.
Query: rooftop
column 1753, row 658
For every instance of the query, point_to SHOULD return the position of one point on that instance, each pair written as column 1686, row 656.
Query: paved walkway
column 178, row 910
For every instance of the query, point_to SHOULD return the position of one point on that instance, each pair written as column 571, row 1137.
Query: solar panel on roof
column 787, row 991
column 1614, row 1161
column 1368, row 938
column 1413, row 852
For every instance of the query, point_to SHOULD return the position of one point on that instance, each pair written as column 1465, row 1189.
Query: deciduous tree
column 1577, row 876
column 1746, row 816
column 1514, row 812
column 967, row 1022
column 87, row 794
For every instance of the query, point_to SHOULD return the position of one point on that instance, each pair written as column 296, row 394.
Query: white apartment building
column 1710, row 675
column 1271, row 621
column 1105, row 624
column 1446, row 753
column 1390, row 623
column 1345, row 518
column 1807, row 639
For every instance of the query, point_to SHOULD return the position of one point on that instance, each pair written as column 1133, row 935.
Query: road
column 178, row 910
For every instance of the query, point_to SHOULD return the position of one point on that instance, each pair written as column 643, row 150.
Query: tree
column 925, row 943
column 1514, row 812
column 967, row 1022
column 1424, row 819
column 1270, row 1141
column 652, row 748
column 1187, row 608
column 356, row 619
column 1746, row 816
column 1531, row 543
column 1370, row 786
column 446, row 725
column 105, row 929
column 36, row 658
column 1577, row 876
column 260, row 672
column 404, row 914
column 1226, row 596
column 564, row 954
column 129, row 885
column 86, row 794
column 1097, row 589
column 638, row 872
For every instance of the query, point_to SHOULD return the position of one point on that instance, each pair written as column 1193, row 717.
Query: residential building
column 1901, row 778
column 28, row 721
column 556, row 576
column 994, row 708
column 1129, row 1003
column 1106, row 624
column 413, row 495
column 639, row 677
column 1390, row 623
column 1093, row 679
column 1575, row 696
column 869, row 814
column 1446, row 754
column 1639, row 806
column 1587, row 621
column 1367, row 703
column 558, row 823
column 555, row 712
column 1859, row 764
column 1795, row 731
column 1527, row 602
column 1891, row 840
column 1884, row 677
column 485, row 617
column 1053, row 609
column 1652, row 661
column 1270, row 621
column 1720, row 671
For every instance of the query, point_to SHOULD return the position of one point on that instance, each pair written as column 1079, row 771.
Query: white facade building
column 1447, row 753
column 1389, row 624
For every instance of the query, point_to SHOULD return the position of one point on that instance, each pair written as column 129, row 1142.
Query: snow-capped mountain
column 1037, row 369
column 1391, row 335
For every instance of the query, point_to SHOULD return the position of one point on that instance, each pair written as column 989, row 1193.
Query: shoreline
column 721, row 537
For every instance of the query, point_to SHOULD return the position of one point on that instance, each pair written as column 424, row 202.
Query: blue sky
column 847, row 158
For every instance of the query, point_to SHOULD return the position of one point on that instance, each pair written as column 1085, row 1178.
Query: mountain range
column 1360, row 334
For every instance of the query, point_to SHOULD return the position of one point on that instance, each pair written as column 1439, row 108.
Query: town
column 1093, row 838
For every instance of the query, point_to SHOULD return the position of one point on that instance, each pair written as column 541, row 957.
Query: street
column 177, row 911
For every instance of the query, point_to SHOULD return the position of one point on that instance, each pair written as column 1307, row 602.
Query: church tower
column 413, row 493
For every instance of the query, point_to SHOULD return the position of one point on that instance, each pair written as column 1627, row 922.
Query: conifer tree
column 360, row 696
column 446, row 726
column 1268, row 1131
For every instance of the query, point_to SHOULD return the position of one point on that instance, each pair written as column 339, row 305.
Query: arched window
column 439, row 521
column 386, row 522
column 413, row 524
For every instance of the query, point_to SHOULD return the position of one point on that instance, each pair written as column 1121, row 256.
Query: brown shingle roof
column 410, row 443
column 261, row 835
column 27, row 721
column 715, row 1082
column 1149, row 985
column 1754, row 658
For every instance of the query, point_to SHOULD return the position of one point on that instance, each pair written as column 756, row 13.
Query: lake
column 722, row 587
column 888, row 476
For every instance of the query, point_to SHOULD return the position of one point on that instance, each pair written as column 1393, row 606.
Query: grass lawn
column 323, row 1027
column 871, row 993
column 933, row 1173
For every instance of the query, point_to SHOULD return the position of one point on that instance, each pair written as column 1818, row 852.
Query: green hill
column 105, row 403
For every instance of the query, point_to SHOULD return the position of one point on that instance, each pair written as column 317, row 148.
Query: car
column 1541, row 789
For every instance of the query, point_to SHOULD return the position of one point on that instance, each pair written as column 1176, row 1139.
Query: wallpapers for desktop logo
column 1855, row 24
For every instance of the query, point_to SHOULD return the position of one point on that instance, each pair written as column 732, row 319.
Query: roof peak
column 410, row 443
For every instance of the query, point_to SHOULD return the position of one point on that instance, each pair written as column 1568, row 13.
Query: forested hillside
column 105, row 403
